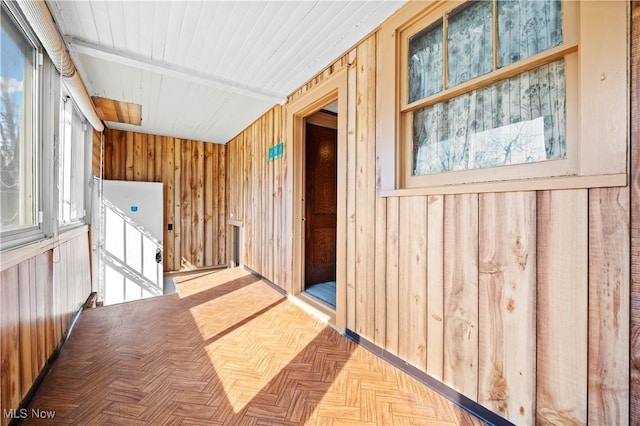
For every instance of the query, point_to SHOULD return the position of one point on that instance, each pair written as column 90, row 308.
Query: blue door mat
column 325, row 292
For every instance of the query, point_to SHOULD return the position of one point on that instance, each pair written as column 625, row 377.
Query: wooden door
column 320, row 204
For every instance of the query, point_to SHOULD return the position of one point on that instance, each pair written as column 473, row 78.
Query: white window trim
column 601, row 114
column 65, row 96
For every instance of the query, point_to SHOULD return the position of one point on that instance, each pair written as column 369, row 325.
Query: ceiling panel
column 206, row 69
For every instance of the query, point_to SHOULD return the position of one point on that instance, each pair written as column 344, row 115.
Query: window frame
column 594, row 70
column 67, row 101
column 28, row 233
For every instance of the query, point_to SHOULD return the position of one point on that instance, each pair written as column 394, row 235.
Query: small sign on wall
column 276, row 151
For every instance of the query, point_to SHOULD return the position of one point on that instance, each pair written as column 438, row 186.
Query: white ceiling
column 205, row 70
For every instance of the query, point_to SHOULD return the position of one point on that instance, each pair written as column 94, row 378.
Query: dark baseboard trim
column 275, row 286
column 33, row 390
column 457, row 398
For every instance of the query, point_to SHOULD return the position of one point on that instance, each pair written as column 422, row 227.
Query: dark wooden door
column 320, row 204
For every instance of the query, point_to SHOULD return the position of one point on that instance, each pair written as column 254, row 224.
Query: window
column 18, row 143
column 71, row 170
column 502, row 91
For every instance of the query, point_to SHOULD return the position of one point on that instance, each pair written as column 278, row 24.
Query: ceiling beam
column 171, row 70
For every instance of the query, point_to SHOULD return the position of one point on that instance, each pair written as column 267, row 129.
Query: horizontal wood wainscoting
column 42, row 286
column 193, row 174
column 520, row 300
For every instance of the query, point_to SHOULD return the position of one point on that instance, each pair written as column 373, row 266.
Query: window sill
column 538, row 184
column 18, row 255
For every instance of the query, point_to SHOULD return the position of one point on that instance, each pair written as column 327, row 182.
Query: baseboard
column 457, row 398
column 273, row 285
column 35, row 386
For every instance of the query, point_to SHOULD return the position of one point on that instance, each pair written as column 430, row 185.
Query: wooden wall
column 257, row 196
column 635, row 215
column 39, row 295
column 194, row 178
column 520, row 301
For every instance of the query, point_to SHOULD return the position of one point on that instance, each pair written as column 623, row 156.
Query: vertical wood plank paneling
column 435, row 286
column 177, row 225
column 210, row 193
column 412, row 277
column 221, row 205
column 351, row 192
column 634, row 364
column 269, row 195
column 609, row 297
column 197, row 201
column 461, row 293
column 42, row 283
column 252, row 224
column 287, row 229
column 186, row 207
column 253, row 200
column 129, row 154
column 33, row 317
column 261, row 163
column 561, row 372
column 392, row 292
column 380, row 262
column 58, row 254
column 24, row 326
column 247, row 199
column 507, row 295
column 140, row 157
column 10, row 339
column 151, row 164
column 35, row 364
column 218, row 204
column 261, row 158
column 158, row 158
column 365, row 189
column 278, row 200
column 49, row 309
column 119, row 156
column 107, row 156
column 154, row 158
column 169, row 201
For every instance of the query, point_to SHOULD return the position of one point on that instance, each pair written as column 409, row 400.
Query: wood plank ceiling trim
column 118, row 111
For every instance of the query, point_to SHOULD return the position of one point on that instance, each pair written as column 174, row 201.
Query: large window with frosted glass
column 18, row 152
column 486, row 87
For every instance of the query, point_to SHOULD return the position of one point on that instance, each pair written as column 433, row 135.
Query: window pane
column 71, row 169
column 17, row 199
column 469, row 42
column 425, row 63
column 513, row 121
column 77, row 168
column 526, row 28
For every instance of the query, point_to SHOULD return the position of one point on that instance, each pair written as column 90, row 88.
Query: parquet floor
column 226, row 349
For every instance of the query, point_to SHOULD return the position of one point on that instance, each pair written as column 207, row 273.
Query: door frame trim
column 332, row 89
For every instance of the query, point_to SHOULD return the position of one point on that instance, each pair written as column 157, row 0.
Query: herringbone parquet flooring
column 227, row 349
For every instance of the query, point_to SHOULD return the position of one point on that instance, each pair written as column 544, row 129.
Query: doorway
column 329, row 98
column 129, row 240
column 321, row 204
